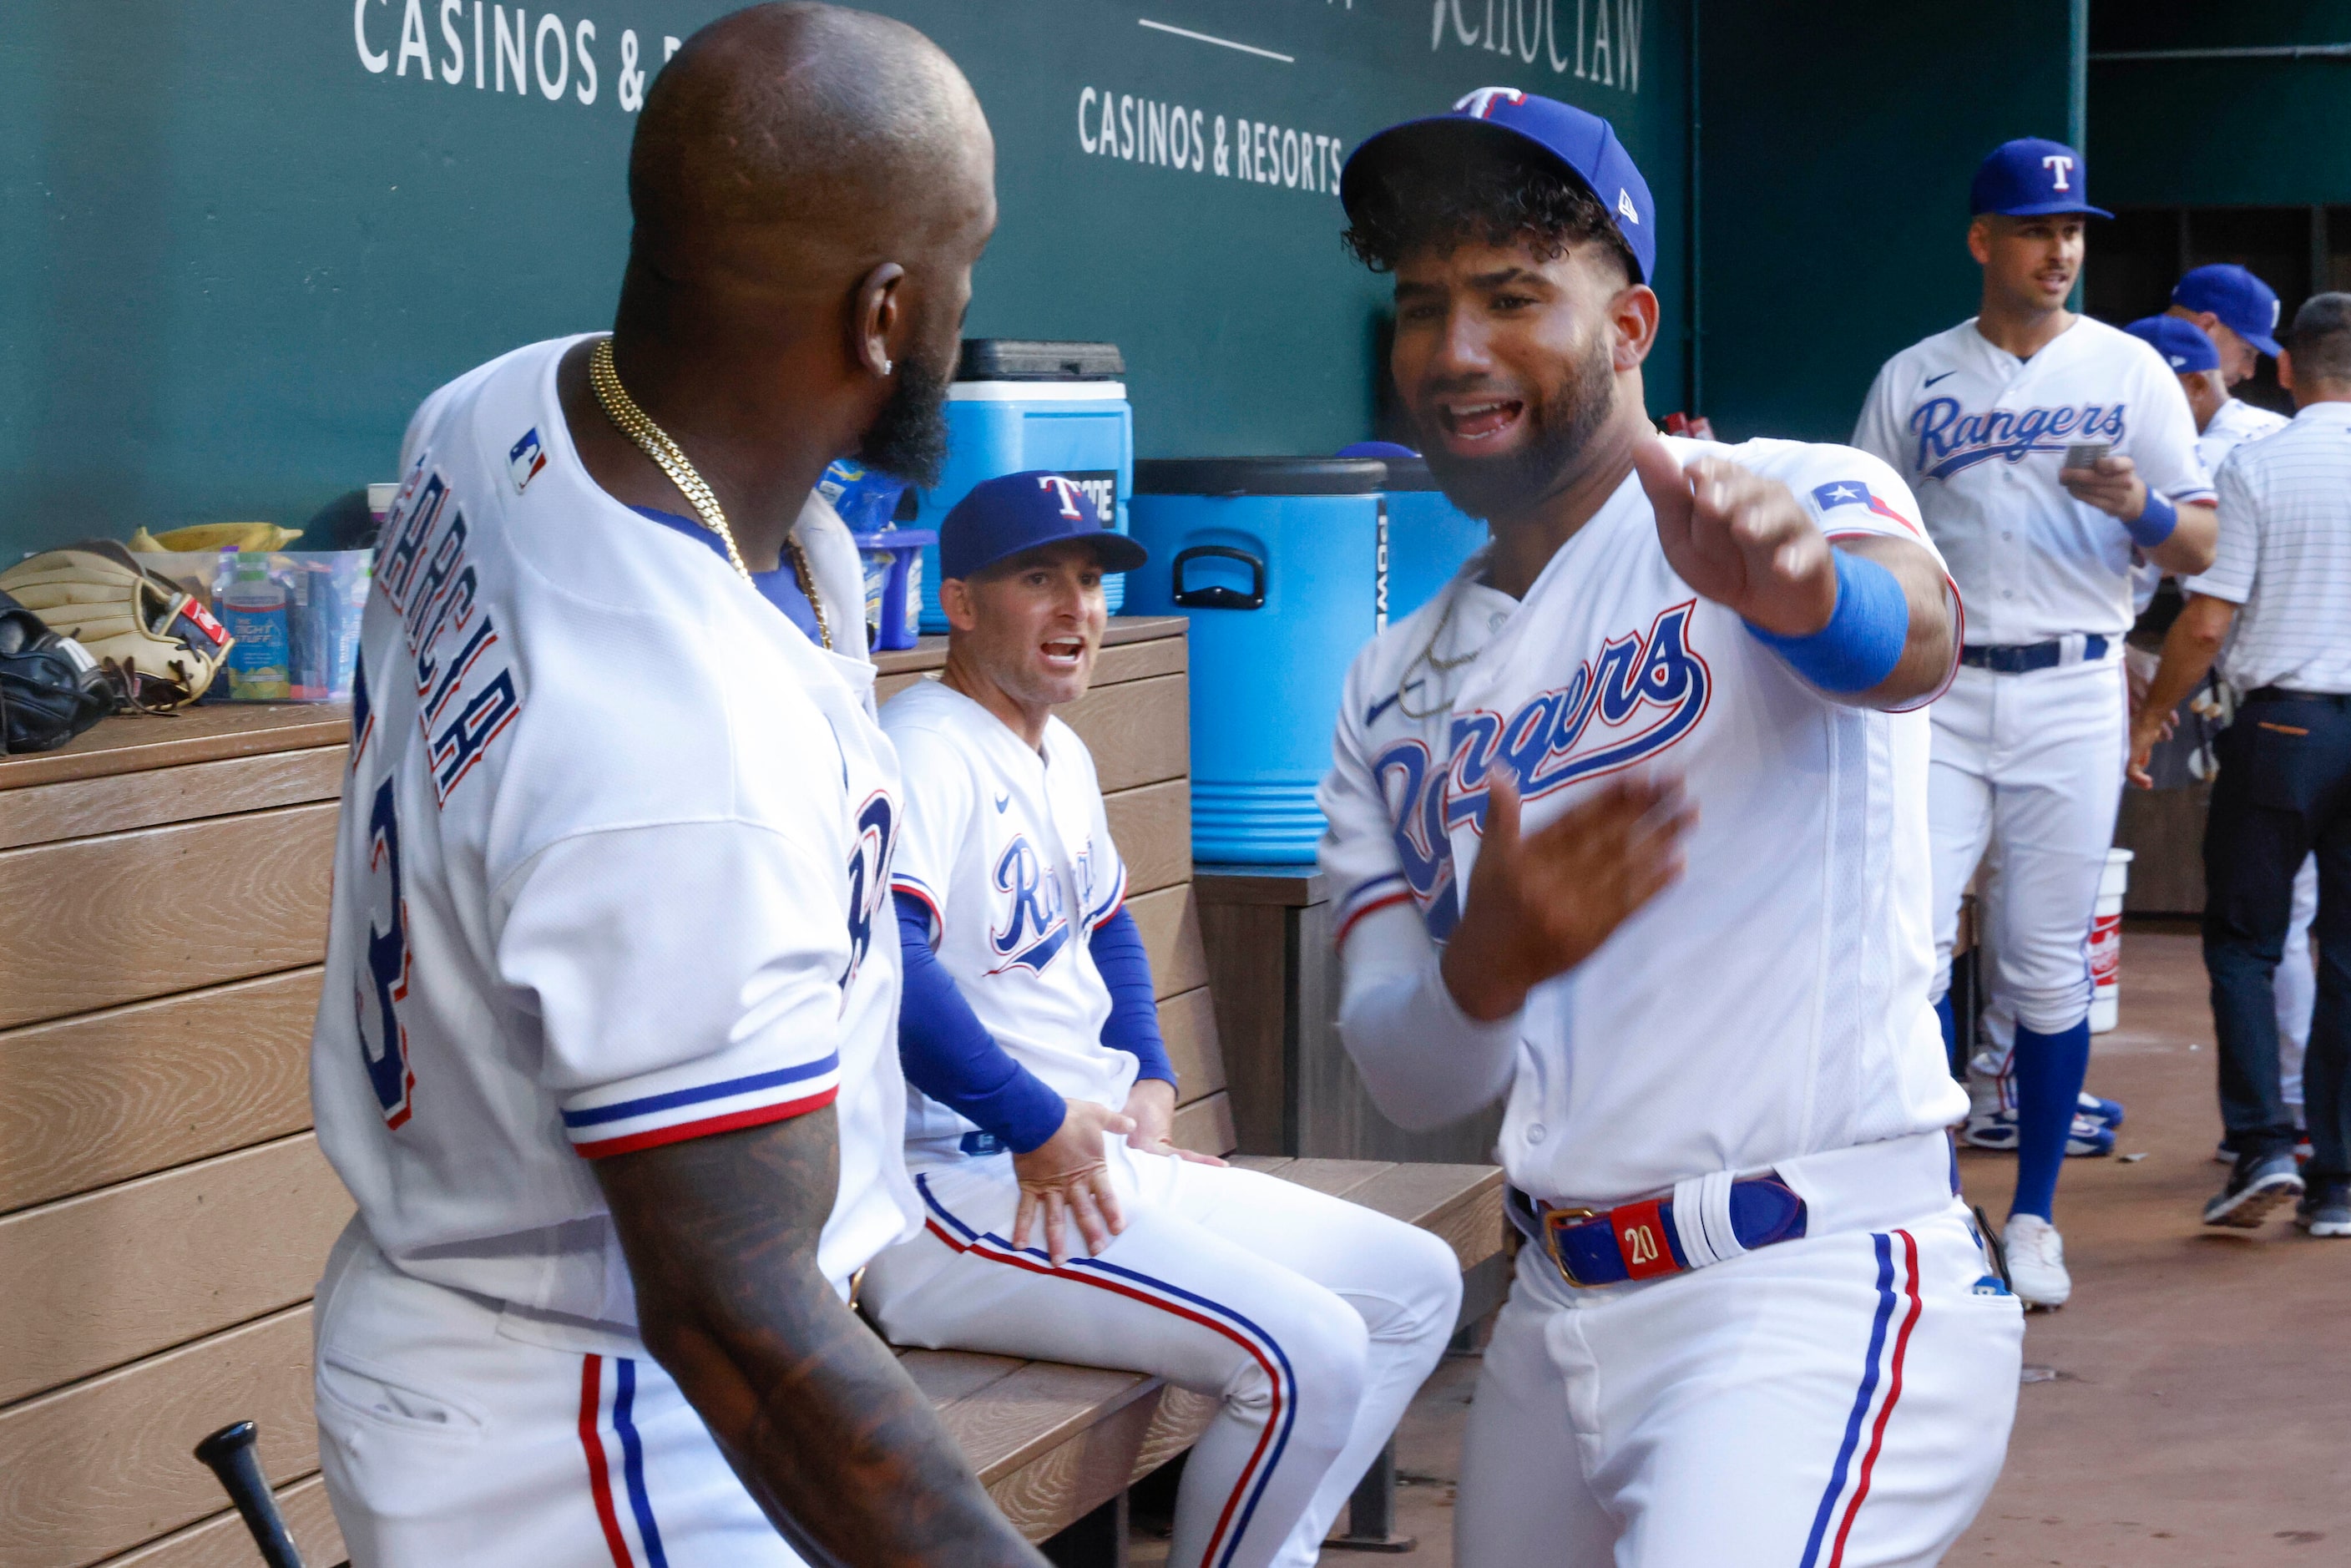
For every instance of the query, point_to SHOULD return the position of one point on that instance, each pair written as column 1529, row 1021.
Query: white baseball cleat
column 2036, row 1262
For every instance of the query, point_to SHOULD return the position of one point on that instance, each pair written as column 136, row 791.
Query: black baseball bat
column 228, row 1453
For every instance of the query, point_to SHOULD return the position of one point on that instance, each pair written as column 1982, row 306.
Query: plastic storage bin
column 1275, row 561
column 319, row 594
column 1017, row 405
column 1429, row 537
column 2107, row 944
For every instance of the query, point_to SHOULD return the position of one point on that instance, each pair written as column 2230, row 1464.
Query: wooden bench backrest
column 164, row 1209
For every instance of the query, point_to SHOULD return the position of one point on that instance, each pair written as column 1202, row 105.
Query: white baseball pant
column 2033, row 764
column 1838, row 1401
column 446, row 1440
column 1313, row 1320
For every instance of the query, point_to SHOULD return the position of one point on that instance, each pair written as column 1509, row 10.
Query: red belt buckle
column 1641, row 1237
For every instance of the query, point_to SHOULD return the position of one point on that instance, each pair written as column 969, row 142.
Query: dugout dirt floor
column 2200, row 1411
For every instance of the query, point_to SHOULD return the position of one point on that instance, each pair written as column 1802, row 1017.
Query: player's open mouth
column 1064, row 654
column 1480, row 421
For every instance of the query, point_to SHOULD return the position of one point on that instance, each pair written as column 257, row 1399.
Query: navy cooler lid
column 1030, row 360
column 1259, row 476
column 1410, row 473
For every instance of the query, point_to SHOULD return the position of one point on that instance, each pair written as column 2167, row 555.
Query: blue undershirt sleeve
column 1125, row 967
column 948, row 1054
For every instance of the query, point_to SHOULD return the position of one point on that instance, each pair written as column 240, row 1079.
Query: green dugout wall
column 242, row 241
column 1835, row 187
column 2247, row 130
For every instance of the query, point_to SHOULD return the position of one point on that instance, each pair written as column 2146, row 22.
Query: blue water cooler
column 1017, row 405
column 1277, row 563
column 1429, row 537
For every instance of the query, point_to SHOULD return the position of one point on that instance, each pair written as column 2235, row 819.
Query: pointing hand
column 1740, row 539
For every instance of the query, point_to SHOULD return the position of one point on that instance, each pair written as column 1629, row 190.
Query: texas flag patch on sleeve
column 1855, row 493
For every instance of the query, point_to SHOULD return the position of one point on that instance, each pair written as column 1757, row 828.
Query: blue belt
column 1642, row 1240
column 2024, row 658
column 981, row 1144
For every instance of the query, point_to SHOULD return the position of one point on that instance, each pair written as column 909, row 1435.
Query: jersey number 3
column 383, row 1040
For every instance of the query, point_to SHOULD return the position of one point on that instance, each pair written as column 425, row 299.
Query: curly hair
column 1439, row 191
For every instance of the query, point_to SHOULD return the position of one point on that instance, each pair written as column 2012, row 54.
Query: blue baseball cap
column 2182, row 344
column 1584, row 144
column 1016, row 512
column 2245, row 305
column 2029, row 178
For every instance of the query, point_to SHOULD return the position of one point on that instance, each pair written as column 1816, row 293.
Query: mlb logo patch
column 526, row 459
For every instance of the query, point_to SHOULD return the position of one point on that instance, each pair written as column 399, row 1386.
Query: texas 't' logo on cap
column 1481, row 104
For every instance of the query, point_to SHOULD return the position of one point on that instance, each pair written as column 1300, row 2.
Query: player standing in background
column 2270, row 611
column 1751, row 1322
column 2044, row 448
column 2238, row 314
column 1048, row 1096
column 606, row 1050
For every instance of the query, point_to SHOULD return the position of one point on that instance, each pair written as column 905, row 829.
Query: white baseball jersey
column 1771, row 1003
column 2234, row 423
column 1979, row 435
column 1012, row 854
column 615, row 842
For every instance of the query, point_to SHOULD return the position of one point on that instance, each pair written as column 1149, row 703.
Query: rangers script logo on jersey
column 1641, row 694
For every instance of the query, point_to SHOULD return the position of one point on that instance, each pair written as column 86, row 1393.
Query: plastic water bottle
column 253, row 607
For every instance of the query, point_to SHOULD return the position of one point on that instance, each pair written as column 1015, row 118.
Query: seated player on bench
column 1041, row 1096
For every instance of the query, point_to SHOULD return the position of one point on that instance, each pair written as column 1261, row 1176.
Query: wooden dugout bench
column 164, row 1209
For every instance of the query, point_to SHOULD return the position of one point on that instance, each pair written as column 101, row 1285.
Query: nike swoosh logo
column 1930, row 380
column 1372, row 714
column 1002, row 801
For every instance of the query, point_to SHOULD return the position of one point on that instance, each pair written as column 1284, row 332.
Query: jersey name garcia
column 1979, row 436
column 1774, row 1001
column 614, row 841
column 1011, row 852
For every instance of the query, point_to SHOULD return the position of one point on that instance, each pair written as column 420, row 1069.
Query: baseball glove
column 162, row 647
column 50, row 688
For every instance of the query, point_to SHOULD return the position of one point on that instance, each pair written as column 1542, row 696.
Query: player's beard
column 1562, row 420
column 908, row 439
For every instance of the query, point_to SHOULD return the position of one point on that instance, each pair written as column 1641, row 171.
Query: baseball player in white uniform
column 1751, row 1322
column 606, row 1045
column 1047, row 1092
column 2045, row 448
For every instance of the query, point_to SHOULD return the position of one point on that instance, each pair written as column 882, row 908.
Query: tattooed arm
column 828, row 1432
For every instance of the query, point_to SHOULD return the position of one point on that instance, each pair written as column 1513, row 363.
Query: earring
column 887, row 365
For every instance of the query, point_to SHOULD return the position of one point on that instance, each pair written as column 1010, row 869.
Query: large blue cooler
column 1017, row 405
column 1277, row 563
column 1429, row 537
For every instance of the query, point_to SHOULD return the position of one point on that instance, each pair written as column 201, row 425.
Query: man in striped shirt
column 2272, row 609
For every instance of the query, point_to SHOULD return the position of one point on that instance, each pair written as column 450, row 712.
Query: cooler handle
column 1219, row 597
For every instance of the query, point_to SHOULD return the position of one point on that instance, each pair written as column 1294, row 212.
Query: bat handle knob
column 229, row 1454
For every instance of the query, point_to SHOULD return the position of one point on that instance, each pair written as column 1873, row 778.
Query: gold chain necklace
column 638, row 426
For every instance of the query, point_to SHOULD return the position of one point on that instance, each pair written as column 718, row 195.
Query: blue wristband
column 1865, row 634
column 2154, row 523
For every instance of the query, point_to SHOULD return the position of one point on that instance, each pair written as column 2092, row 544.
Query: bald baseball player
column 1062, row 1219
column 1751, row 1322
column 2048, row 451
column 607, row 1049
